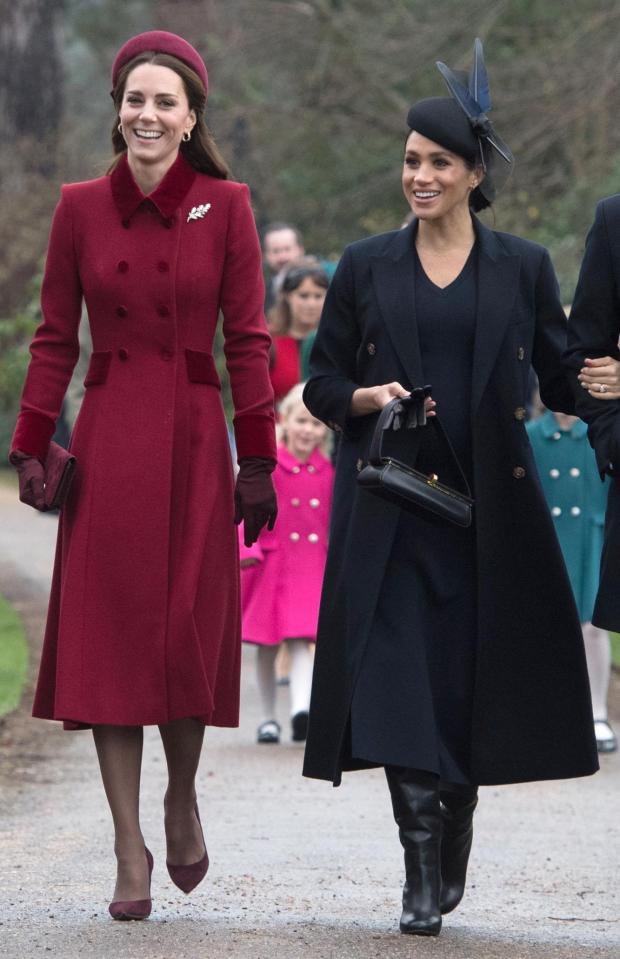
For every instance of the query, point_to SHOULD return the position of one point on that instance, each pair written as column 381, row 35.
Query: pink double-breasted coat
column 281, row 592
column 144, row 616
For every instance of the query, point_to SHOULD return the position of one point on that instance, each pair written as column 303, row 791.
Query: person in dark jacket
column 592, row 359
column 440, row 655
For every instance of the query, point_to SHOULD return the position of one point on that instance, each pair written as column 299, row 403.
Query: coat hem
column 72, row 725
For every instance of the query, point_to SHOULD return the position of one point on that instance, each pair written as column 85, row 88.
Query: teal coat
column 577, row 500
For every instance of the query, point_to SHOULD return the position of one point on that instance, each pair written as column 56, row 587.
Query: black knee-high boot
column 415, row 800
column 457, row 815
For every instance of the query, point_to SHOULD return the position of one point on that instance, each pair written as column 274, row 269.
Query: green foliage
column 13, row 658
column 15, row 333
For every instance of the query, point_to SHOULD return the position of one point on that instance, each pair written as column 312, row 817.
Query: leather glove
column 31, row 475
column 255, row 497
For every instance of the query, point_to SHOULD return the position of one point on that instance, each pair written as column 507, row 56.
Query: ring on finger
column 602, row 388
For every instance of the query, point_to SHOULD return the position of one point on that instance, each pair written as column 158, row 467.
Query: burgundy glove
column 31, row 474
column 255, row 497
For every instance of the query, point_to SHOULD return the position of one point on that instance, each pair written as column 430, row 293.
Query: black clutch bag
column 401, row 484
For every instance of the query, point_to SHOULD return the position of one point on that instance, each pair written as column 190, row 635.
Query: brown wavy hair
column 201, row 150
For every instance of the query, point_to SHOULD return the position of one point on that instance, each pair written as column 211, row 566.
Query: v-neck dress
column 412, row 704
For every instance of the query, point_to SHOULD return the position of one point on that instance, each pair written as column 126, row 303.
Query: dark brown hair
column 201, row 150
column 307, row 267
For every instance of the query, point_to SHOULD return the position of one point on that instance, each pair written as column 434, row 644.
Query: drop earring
column 187, row 137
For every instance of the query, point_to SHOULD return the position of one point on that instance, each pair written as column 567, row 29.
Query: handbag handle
column 391, row 413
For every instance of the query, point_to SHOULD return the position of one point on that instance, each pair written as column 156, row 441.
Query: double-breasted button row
column 574, row 511
column 314, row 502
column 312, row 537
column 574, row 471
column 309, row 467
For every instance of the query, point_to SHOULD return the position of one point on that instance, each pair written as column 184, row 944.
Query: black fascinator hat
column 460, row 124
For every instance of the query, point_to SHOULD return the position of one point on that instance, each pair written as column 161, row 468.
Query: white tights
column 598, row 656
column 301, row 662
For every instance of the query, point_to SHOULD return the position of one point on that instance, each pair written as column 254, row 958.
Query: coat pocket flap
column 98, row 368
column 201, row 368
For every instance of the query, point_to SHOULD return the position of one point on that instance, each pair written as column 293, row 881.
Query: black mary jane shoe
column 268, row 732
column 299, row 727
column 606, row 740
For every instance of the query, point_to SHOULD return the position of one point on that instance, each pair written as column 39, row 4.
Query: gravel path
column 298, row 869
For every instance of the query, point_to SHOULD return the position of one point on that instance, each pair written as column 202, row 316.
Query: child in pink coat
column 282, row 574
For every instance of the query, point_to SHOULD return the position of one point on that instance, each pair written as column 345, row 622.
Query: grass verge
column 13, row 658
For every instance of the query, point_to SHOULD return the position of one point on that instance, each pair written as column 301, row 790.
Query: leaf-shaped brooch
column 197, row 212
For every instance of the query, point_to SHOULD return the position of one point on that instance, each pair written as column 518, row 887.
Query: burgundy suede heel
column 134, row 908
column 188, row 877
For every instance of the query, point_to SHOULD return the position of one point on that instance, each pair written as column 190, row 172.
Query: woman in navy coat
column 440, row 655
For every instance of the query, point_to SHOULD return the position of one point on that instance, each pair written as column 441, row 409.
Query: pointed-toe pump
column 134, row 908
column 457, row 831
column 415, row 800
column 188, row 877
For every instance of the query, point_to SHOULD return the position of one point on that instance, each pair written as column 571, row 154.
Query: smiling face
column 436, row 182
column 305, row 304
column 154, row 114
column 302, row 432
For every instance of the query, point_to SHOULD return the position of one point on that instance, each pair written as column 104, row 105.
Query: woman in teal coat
column 577, row 500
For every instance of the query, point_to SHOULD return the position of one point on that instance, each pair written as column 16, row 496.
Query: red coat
column 144, row 620
column 281, row 593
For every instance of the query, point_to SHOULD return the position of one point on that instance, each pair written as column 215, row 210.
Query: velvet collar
column 166, row 198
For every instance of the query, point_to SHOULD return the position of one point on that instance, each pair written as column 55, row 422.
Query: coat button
column 557, row 435
column 575, row 472
column 315, row 503
column 163, row 310
column 554, row 473
column 372, row 349
column 520, row 413
column 121, row 311
column 122, row 266
column 575, row 511
column 556, row 511
column 313, row 538
column 359, row 465
column 311, row 468
column 296, row 469
column 294, row 537
column 123, row 354
column 518, row 472
column 162, row 266
column 166, row 354
column 520, row 353
column 295, row 501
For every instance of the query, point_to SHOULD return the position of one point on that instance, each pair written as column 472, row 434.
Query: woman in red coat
column 144, row 622
column 294, row 321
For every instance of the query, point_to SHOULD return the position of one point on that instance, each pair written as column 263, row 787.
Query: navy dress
column 412, row 704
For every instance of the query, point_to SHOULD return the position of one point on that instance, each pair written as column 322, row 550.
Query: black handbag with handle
column 401, row 484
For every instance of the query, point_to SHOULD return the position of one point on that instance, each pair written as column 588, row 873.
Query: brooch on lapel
column 197, row 212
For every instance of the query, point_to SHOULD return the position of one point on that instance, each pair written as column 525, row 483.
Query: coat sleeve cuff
column 255, row 436
column 33, row 433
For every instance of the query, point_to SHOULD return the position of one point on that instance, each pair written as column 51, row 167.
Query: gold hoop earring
column 187, row 137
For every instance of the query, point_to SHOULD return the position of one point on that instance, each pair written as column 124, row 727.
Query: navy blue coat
column 532, row 712
column 593, row 331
